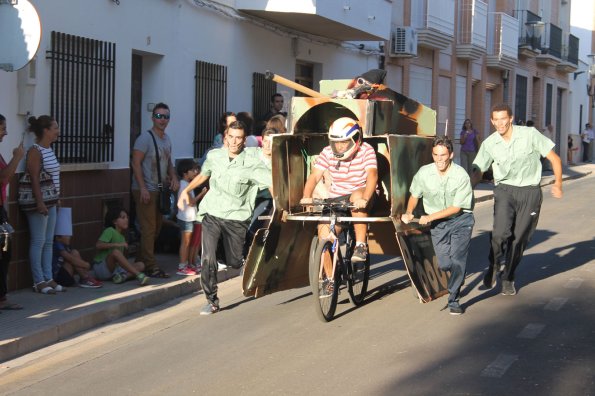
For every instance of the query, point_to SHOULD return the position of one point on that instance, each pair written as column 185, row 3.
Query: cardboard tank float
column 400, row 130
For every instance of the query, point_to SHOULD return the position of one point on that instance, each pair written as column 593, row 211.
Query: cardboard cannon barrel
column 401, row 131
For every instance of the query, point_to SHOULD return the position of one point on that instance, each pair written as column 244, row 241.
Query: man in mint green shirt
column 514, row 153
column 447, row 200
column 235, row 175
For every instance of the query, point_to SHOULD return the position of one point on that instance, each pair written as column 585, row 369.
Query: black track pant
column 516, row 213
column 233, row 233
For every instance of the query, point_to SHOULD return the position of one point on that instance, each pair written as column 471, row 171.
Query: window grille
column 262, row 90
column 82, row 97
column 210, row 102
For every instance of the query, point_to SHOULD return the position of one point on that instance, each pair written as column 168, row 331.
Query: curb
column 44, row 336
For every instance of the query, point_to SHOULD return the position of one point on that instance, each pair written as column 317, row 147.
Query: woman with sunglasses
column 144, row 184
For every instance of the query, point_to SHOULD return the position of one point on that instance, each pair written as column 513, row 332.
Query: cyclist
column 352, row 166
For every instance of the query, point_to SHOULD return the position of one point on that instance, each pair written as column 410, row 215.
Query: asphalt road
column 539, row 342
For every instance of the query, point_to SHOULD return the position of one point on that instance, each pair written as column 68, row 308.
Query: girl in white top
column 187, row 170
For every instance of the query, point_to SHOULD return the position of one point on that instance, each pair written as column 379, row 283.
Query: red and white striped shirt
column 347, row 176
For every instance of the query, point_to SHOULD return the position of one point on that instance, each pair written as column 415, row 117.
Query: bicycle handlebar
column 331, row 204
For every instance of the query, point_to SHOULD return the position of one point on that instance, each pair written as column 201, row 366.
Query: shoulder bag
column 49, row 192
column 164, row 201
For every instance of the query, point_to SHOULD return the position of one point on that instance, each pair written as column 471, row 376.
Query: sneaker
column 508, row 288
column 186, row 271
column 360, row 253
column 221, row 266
column 119, row 278
column 489, row 279
column 142, row 279
column 209, row 309
column 455, row 309
column 90, row 283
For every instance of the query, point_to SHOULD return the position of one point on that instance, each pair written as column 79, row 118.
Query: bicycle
column 330, row 262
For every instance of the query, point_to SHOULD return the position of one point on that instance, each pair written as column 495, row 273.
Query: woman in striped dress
column 42, row 220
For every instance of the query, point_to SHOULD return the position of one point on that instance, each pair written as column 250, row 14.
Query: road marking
column 498, row 367
column 574, row 283
column 532, row 330
column 555, row 303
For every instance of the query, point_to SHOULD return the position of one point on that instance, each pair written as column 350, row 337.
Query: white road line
column 555, row 303
column 532, row 330
column 574, row 283
column 498, row 367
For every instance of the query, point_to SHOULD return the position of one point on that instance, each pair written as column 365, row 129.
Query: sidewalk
column 49, row 319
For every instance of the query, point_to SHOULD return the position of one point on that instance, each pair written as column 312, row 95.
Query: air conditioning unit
column 403, row 42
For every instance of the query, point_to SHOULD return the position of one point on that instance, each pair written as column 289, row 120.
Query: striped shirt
column 50, row 164
column 347, row 176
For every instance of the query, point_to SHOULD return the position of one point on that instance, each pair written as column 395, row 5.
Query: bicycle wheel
column 325, row 288
column 357, row 284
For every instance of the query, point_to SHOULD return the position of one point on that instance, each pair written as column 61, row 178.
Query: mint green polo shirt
column 233, row 185
column 442, row 191
column 517, row 162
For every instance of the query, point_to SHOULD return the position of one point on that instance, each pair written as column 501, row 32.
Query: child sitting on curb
column 67, row 261
column 110, row 262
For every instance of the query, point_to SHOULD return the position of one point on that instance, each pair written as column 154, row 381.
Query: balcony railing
column 530, row 29
column 472, row 37
column 552, row 43
column 434, row 22
column 572, row 50
column 503, row 33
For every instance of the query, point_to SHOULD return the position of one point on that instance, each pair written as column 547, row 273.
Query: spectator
column 277, row 122
column 110, row 262
column 67, row 261
column 514, row 153
column 236, row 175
column 469, row 145
column 7, row 171
column 570, row 151
column 224, row 121
column 187, row 170
column 246, row 118
column 42, row 220
column 448, row 201
column 144, row 185
column 587, row 137
column 277, row 102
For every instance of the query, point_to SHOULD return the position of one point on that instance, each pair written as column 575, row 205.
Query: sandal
column 158, row 273
column 43, row 288
column 57, row 287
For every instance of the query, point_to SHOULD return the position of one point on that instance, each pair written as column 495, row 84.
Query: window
column 211, row 102
column 548, row 103
column 304, row 75
column 520, row 102
column 82, row 96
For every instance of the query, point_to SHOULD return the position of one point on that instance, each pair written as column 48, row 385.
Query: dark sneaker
column 489, row 279
column 508, row 288
column 360, row 253
column 209, row 309
column 455, row 309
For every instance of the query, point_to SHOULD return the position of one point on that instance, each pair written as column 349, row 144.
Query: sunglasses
column 161, row 116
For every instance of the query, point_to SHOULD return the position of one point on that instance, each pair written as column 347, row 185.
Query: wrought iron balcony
column 530, row 33
column 472, row 34
column 503, row 33
column 551, row 46
column 569, row 55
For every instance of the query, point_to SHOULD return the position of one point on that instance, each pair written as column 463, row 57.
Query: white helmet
column 345, row 129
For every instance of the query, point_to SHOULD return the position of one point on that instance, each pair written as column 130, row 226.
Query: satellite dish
column 20, row 34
